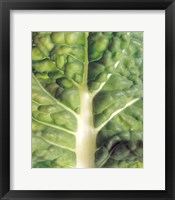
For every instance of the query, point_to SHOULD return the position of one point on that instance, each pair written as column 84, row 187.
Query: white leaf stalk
column 86, row 137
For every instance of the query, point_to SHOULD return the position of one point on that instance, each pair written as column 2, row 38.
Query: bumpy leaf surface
column 87, row 101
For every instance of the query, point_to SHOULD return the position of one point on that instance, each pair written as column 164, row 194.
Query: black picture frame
column 5, row 7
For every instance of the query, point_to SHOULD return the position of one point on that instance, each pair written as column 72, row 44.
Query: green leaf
column 87, row 99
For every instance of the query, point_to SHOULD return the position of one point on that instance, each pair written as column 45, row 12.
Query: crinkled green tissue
column 87, row 99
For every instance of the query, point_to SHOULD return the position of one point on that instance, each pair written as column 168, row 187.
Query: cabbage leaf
column 87, row 99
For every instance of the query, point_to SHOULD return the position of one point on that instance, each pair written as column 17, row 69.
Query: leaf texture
column 87, row 99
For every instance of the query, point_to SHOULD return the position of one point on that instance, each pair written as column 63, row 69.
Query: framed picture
column 87, row 99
